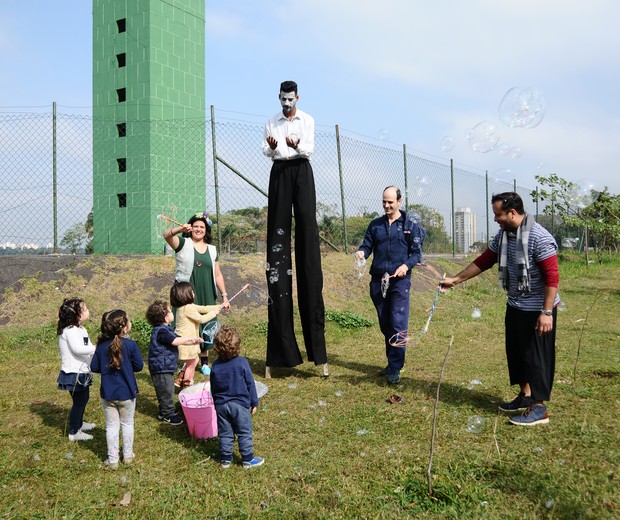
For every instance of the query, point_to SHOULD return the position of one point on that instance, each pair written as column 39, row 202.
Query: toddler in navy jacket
column 235, row 397
column 163, row 358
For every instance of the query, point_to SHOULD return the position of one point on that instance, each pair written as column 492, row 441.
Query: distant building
column 149, row 119
column 464, row 229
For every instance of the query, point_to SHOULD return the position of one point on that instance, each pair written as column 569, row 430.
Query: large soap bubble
column 483, row 137
column 447, row 143
column 522, row 107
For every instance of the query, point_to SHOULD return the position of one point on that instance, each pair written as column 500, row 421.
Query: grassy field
column 334, row 447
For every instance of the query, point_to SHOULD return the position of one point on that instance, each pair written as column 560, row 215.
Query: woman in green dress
column 197, row 260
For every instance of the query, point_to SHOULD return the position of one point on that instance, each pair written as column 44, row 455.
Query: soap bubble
column 276, row 248
column 476, row 313
column 69, row 456
column 292, row 386
column 294, row 138
column 36, row 457
column 483, row 137
column 421, row 186
column 516, row 152
column 561, row 306
column 383, row 134
column 502, row 176
column 289, row 272
column 503, row 149
column 475, row 424
column 550, row 503
column 280, row 231
column 363, row 431
column 447, row 144
column 522, row 108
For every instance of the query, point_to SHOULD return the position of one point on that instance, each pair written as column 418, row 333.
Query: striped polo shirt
column 541, row 245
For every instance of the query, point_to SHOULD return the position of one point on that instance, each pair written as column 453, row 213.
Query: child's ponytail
column 112, row 325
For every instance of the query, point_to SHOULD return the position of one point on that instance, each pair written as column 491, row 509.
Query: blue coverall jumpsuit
column 391, row 246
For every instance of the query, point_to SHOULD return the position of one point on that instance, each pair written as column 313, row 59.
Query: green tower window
column 122, row 164
column 122, row 200
column 121, row 58
column 122, row 94
column 122, row 25
column 122, row 129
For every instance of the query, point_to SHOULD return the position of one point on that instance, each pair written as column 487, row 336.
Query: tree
column 582, row 206
column 437, row 240
column 89, row 227
column 74, row 237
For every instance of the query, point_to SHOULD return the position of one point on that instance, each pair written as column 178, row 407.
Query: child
column 163, row 356
column 235, row 397
column 117, row 358
column 189, row 317
column 76, row 350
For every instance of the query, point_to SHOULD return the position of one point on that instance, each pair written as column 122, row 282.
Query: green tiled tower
column 148, row 119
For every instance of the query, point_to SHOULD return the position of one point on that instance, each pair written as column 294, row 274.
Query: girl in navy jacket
column 117, row 358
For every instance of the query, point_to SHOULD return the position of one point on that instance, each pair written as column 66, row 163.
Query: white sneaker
column 80, row 436
column 110, row 465
column 87, row 426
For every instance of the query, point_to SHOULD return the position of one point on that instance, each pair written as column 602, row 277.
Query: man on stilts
column 289, row 142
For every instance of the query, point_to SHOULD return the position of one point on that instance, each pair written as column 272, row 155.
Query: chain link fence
column 46, row 185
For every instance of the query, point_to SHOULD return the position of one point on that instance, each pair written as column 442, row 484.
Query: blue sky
column 401, row 71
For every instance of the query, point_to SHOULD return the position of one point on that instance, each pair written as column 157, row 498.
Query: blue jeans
column 234, row 419
column 393, row 313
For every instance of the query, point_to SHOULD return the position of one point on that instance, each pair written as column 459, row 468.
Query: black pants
column 291, row 185
column 80, row 396
column 531, row 358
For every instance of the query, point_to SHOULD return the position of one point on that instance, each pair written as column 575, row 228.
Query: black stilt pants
column 291, row 186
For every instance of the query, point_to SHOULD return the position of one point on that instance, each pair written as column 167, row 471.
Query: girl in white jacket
column 76, row 351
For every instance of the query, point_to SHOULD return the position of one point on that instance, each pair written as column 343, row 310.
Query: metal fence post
column 406, row 182
column 215, row 181
column 452, row 224
column 486, row 201
column 54, row 179
column 344, row 216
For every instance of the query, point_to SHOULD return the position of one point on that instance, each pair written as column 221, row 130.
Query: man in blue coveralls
column 395, row 240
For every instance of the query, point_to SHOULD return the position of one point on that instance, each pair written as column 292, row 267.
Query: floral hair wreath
column 205, row 215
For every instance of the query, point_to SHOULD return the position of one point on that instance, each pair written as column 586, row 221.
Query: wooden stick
column 430, row 459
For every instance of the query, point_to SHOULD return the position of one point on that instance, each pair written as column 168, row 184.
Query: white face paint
column 288, row 100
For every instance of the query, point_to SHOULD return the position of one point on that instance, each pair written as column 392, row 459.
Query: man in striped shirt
column 528, row 271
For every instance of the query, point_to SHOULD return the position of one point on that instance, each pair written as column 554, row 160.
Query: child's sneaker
column 256, row 461
column 535, row 414
column 87, row 426
column 110, row 465
column 172, row 420
column 80, row 436
column 225, row 464
column 129, row 460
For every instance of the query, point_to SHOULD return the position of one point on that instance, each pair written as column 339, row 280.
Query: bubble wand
column 432, row 311
column 161, row 216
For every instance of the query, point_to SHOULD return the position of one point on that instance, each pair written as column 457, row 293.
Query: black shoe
column 519, row 402
column 172, row 420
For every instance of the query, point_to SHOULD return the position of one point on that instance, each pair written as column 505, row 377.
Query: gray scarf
column 521, row 256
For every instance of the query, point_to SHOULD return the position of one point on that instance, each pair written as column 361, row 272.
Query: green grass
column 334, row 447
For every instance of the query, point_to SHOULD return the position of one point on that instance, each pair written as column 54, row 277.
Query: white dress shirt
column 279, row 126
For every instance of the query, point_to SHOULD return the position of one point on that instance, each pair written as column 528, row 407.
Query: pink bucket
column 199, row 411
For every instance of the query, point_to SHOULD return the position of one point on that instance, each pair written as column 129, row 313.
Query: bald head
column 391, row 202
